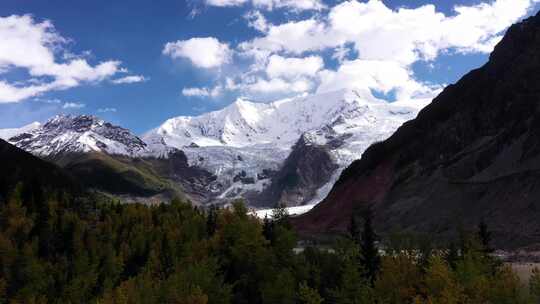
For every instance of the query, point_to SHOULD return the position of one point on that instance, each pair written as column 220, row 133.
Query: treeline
column 58, row 249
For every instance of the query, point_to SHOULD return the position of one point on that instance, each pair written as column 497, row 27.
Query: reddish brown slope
column 473, row 153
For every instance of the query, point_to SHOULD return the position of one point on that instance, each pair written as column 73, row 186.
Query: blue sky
column 139, row 62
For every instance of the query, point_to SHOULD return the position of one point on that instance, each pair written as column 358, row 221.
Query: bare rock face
column 472, row 154
column 289, row 151
column 306, row 169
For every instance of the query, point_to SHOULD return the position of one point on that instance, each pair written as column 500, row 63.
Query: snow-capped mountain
column 245, row 123
column 69, row 134
column 6, row 134
column 244, row 143
column 291, row 150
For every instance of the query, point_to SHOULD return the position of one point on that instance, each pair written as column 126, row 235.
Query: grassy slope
column 118, row 175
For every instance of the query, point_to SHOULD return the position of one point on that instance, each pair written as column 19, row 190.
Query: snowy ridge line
column 242, row 144
column 248, row 137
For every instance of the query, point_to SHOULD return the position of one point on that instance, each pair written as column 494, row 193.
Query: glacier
column 249, row 137
column 243, row 144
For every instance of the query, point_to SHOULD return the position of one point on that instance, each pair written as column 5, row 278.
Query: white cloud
column 293, row 67
column 278, row 86
column 130, row 79
column 381, row 76
column 107, row 110
column 202, row 92
column 73, row 105
column 41, row 44
column 404, row 35
column 49, row 101
column 294, row 5
column 294, row 37
column 202, row 52
column 11, row 93
column 386, row 42
column 225, row 2
column 257, row 21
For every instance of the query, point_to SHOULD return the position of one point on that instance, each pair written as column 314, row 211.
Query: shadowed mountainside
column 18, row 166
column 472, row 154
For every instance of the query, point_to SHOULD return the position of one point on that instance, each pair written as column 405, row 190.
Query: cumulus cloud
column 294, row 37
column 279, row 66
column 223, row 3
column 368, row 45
column 294, row 5
column 278, row 86
column 202, row 92
column 73, row 105
column 42, row 44
column 129, row 79
column 205, row 52
column 376, row 75
column 375, row 46
column 403, row 35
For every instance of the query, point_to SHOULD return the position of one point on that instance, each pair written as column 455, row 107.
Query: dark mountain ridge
column 472, row 154
column 20, row 167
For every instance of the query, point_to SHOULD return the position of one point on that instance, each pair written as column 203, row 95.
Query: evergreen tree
column 354, row 230
column 452, row 255
column 369, row 253
column 211, row 220
column 307, row 295
column 440, row 283
column 268, row 228
column 485, row 237
column 54, row 251
column 534, row 285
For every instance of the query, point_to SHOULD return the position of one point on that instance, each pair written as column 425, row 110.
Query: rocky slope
column 472, row 154
column 5, row 134
column 257, row 149
column 111, row 159
column 79, row 134
column 290, row 151
column 307, row 168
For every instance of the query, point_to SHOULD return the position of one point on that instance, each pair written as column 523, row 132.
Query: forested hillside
column 18, row 166
column 65, row 250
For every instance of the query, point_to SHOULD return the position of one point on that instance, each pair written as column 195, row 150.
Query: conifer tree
column 211, row 220
column 354, row 229
column 268, row 228
column 534, row 285
column 485, row 236
column 307, row 295
column 369, row 259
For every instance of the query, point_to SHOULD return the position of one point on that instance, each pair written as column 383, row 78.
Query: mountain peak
column 6, row 134
column 78, row 123
column 245, row 123
column 81, row 133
